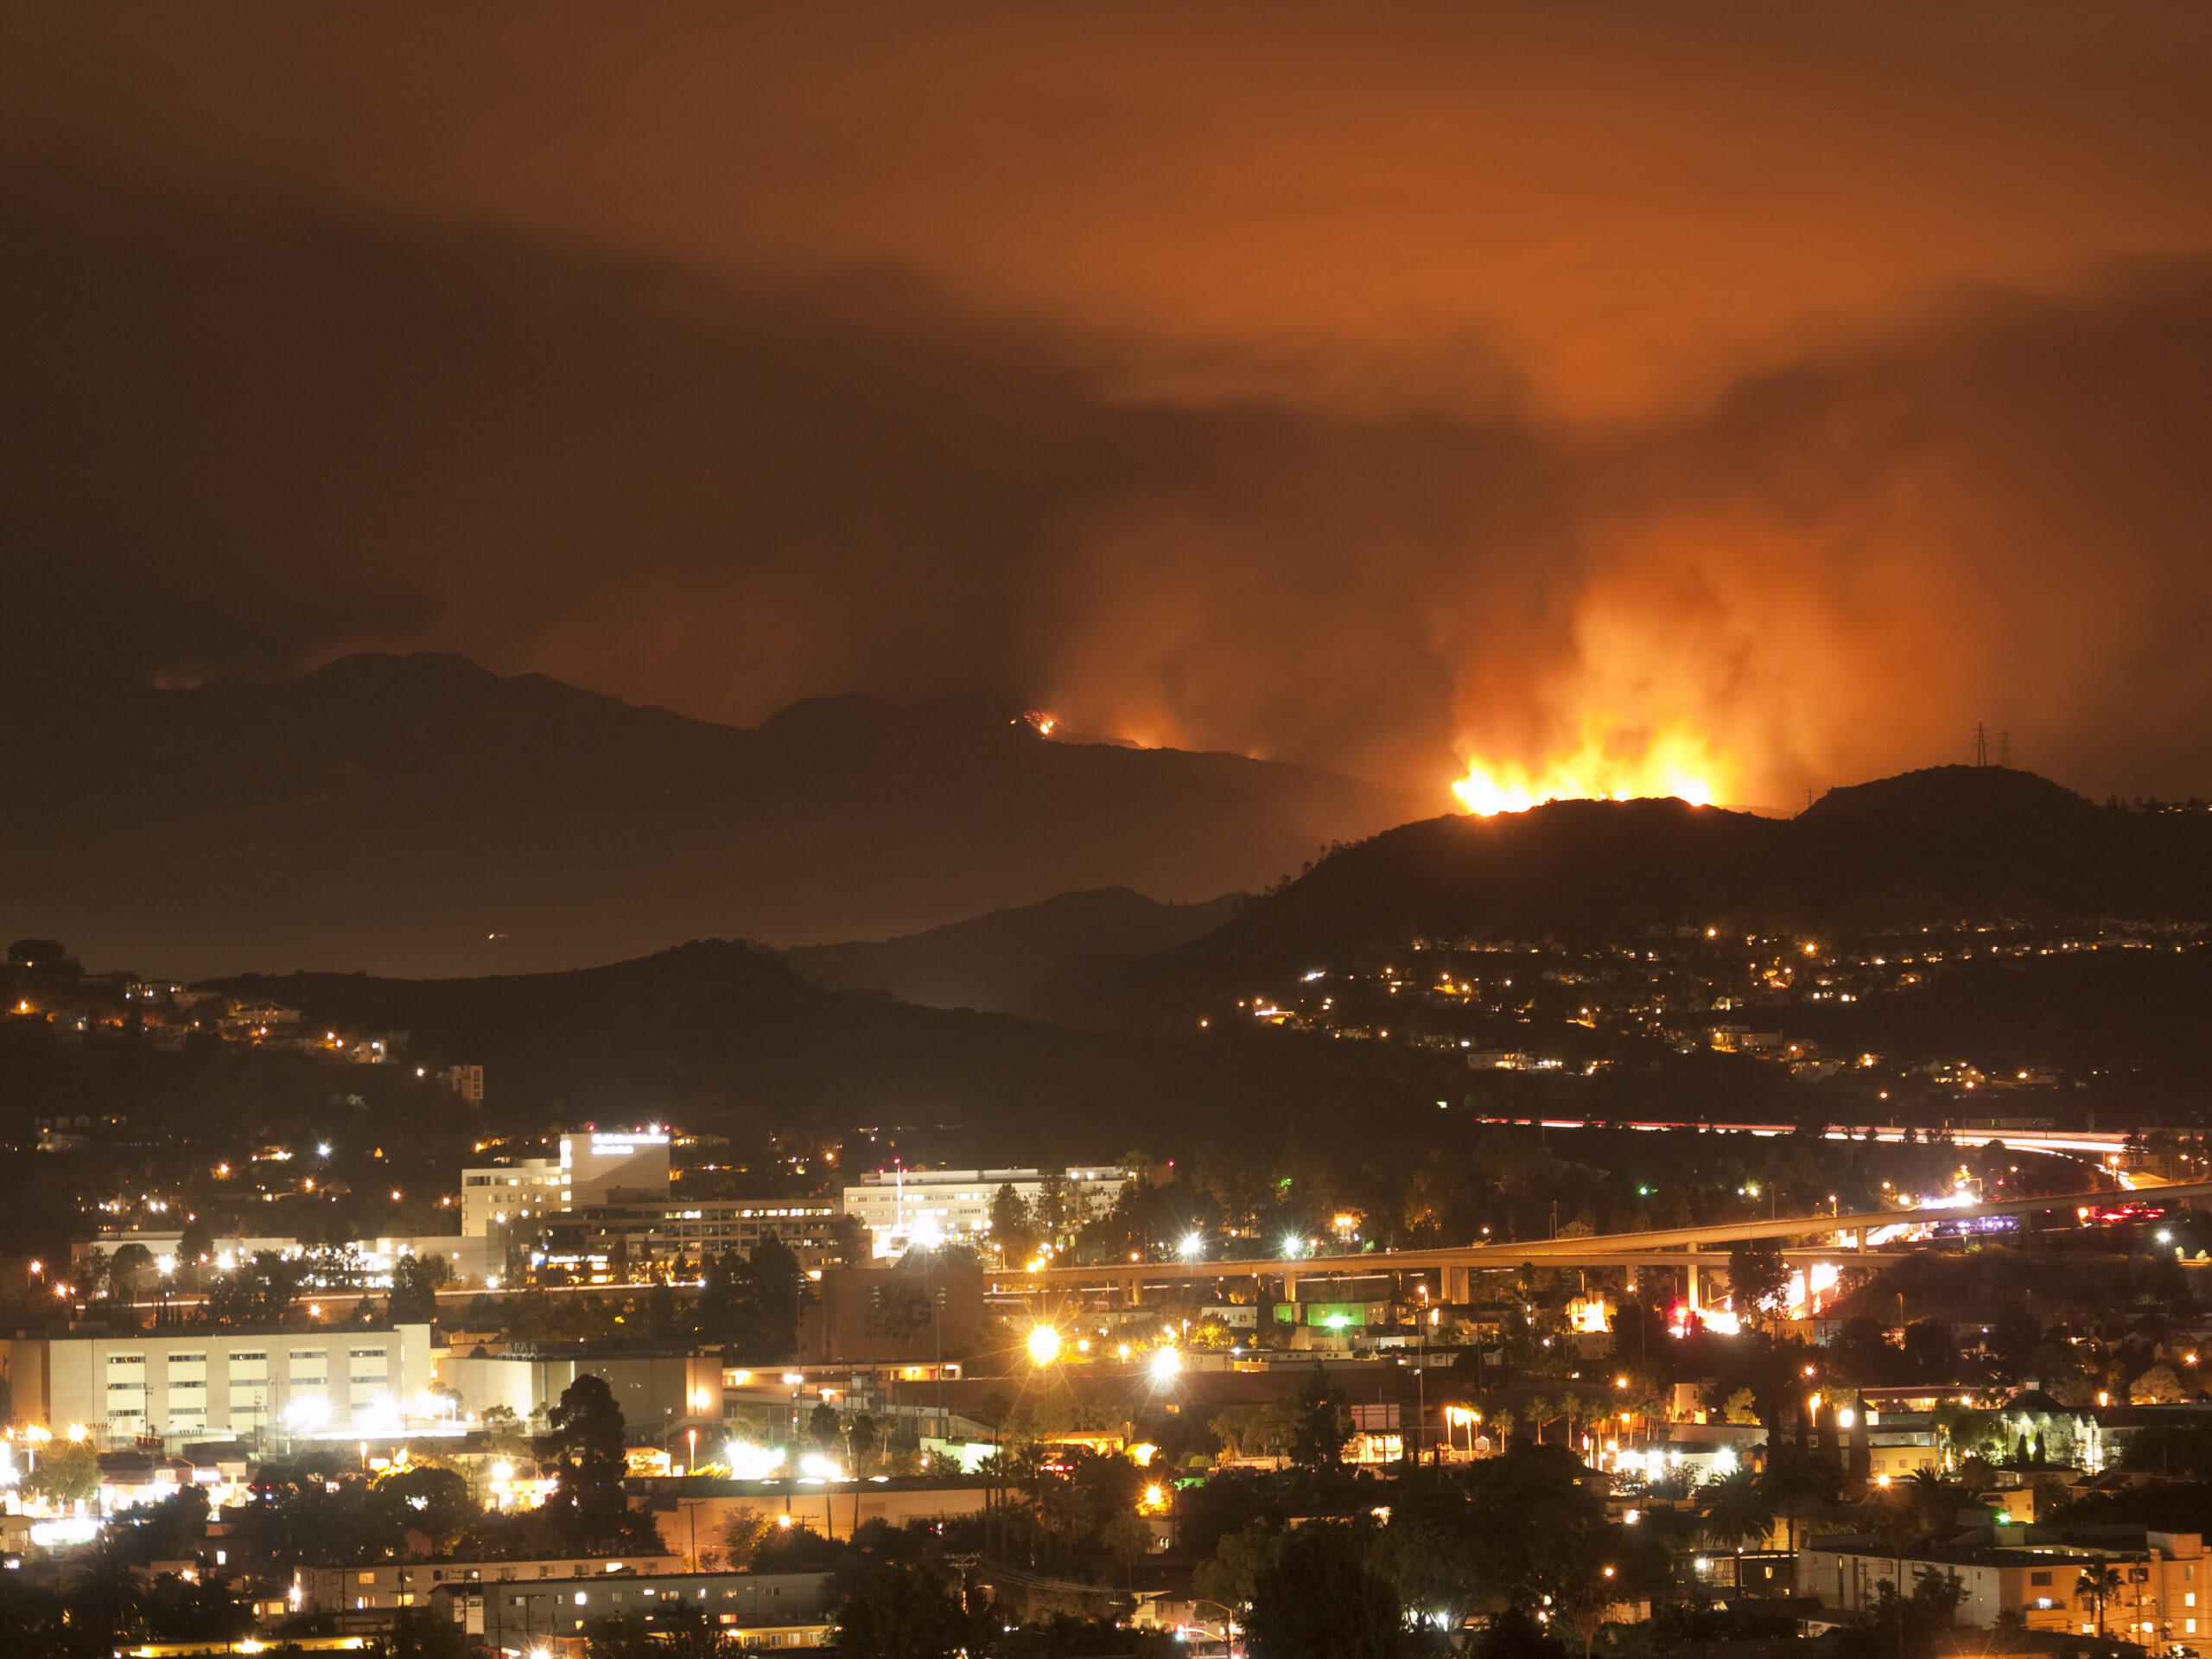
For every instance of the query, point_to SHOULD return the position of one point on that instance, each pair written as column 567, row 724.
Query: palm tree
column 1793, row 1481
column 2099, row 1584
column 1737, row 1510
column 1932, row 1498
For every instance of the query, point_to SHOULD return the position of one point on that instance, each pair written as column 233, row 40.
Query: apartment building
column 2034, row 1572
column 389, row 1585
column 759, row 1610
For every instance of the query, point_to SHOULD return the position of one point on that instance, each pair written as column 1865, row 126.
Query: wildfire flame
column 1607, row 766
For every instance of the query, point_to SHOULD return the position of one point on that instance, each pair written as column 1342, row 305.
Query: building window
column 2038, row 1578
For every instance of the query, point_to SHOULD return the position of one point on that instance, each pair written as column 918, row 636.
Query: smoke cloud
column 1796, row 399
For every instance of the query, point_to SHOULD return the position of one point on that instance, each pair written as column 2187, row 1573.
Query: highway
column 1656, row 1247
column 2099, row 1145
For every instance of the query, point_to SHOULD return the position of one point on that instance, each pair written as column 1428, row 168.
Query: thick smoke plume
column 1633, row 407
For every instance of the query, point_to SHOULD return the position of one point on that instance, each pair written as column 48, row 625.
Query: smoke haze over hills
column 1376, row 397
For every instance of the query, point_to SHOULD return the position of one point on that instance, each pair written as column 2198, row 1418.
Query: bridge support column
column 1455, row 1286
column 1690, row 1275
column 1290, row 1288
column 1132, row 1292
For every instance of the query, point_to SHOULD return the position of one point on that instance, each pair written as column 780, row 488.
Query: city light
column 1166, row 1362
column 750, row 1462
column 1044, row 1344
column 1191, row 1248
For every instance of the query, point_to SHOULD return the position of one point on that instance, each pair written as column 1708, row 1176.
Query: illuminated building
column 591, row 1165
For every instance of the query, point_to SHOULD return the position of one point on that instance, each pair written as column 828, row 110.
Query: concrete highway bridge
column 1840, row 1239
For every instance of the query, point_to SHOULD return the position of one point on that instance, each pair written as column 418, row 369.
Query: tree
column 1438, row 1559
column 1758, row 1280
column 68, row 1472
column 1318, row 1442
column 260, row 1291
column 1231, row 1574
column 1059, row 1208
column 1125, row 1537
column 1794, row 1483
column 1013, row 1230
column 1513, row 1634
column 125, row 1266
column 1737, row 1510
column 1321, row 1601
column 44, row 955
column 2100, row 1585
column 415, row 1284
column 2157, row 1386
column 1742, row 1407
column 900, row 1612
column 779, row 1295
column 742, row 1537
column 583, row 1442
column 197, row 1240
column 1934, row 1501
column 423, row 1497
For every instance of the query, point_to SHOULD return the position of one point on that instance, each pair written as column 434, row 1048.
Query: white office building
column 590, row 1164
column 199, row 1385
column 902, row 1208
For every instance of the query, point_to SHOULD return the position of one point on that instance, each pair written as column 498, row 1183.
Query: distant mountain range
column 1948, row 843
column 728, row 1037
column 1012, row 961
column 421, row 815
column 731, row 1034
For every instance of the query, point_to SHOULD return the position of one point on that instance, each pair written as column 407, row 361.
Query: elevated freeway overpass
column 1841, row 1238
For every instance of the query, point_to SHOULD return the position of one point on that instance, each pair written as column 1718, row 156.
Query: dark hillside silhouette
column 421, row 815
column 1949, row 844
column 1008, row 961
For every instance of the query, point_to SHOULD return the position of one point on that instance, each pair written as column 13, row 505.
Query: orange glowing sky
column 1724, row 394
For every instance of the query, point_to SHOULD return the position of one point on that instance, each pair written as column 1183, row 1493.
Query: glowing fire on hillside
column 1609, row 766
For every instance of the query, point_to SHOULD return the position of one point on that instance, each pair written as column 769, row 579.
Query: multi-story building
column 388, row 1585
column 759, row 1610
column 901, row 1208
column 653, row 1389
column 601, row 1242
column 589, row 1165
column 199, row 1385
column 2035, row 1573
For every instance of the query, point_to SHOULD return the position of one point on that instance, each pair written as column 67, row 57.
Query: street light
column 1044, row 1344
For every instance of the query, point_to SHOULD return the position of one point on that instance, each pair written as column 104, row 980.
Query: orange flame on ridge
column 1609, row 764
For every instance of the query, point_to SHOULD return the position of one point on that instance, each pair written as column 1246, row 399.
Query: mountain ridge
column 1948, row 843
column 1010, row 961
column 423, row 815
